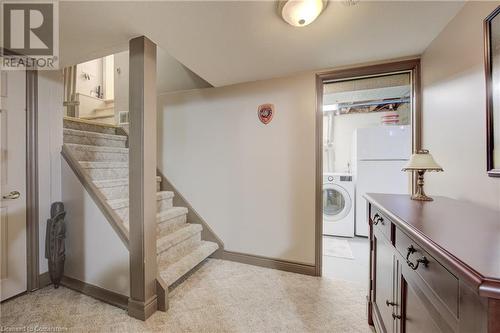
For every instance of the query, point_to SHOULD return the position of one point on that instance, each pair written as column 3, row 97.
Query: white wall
column 94, row 252
column 95, row 69
column 252, row 183
column 88, row 104
column 109, row 77
column 454, row 109
column 50, row 139
column 121, row 74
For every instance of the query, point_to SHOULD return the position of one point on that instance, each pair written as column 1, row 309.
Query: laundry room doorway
column 368, row 125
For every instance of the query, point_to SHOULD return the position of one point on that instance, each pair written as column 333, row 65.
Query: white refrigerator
column 379, row 155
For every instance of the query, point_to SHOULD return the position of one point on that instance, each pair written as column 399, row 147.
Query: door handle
column 389, row 303
column 12, row 195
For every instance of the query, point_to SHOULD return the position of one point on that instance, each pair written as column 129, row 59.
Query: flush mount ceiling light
column 300, row 13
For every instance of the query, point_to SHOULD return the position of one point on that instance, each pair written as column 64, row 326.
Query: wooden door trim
column 412, row 66
column 32, row 213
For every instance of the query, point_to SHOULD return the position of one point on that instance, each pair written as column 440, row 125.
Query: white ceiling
column 230, row 42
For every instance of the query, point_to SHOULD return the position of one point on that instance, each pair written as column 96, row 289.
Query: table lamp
column 421, row 162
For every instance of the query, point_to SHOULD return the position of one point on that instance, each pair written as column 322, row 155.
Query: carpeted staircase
column 102, row 154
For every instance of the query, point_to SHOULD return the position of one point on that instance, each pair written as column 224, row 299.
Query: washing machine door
column 336, row 202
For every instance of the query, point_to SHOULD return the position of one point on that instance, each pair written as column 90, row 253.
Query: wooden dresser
column 434, row 266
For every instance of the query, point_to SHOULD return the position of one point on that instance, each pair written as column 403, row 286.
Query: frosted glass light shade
column 300, row 13
column 422, row 160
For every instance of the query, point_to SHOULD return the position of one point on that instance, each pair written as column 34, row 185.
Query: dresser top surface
column 467, row 234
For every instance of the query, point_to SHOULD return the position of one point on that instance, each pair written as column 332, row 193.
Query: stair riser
column 94, row 141
column 106, row 111
column 96, row 156
column 179, row 250
column 117, row 192
column 171, row 273
column 171, row 225
column 161, row 205
column 104, row 120
column 88, row 127
column 107, row 173
column 165, row 204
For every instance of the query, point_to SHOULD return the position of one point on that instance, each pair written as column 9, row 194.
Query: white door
column 13, row 270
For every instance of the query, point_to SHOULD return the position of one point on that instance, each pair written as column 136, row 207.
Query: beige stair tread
column 88, row 122
column 98, row 116
column 70, row 131
column 183, row 233
column 103, row 165
column 161, row 195
column 170, row 213
column 171, row 273
column 111, row 183
column 118, row 203
column 105, row 108
column 102, row 149
column 121, row 203
column 116, row 182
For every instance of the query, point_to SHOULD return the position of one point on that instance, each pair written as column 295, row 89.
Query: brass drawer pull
column 422, row 260
column 377, row 218
column 411, row 250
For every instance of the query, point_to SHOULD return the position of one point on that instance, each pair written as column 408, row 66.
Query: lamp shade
column 422, row 160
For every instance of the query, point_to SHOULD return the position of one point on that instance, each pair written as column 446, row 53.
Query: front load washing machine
column 338, row 204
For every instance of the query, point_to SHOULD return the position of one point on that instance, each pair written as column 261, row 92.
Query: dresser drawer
column 443, row 284
column 381, row 222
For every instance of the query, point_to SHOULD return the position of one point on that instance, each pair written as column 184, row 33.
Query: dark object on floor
column 54, row 242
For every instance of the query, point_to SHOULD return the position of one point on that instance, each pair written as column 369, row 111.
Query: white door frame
column 32, row 217
column 412, row 66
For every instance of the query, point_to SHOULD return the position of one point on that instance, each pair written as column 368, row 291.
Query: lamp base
column 420, row 195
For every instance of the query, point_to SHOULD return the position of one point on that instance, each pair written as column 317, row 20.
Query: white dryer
column 338, row 204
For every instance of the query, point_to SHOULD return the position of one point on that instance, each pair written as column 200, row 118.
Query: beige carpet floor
column 221, row 296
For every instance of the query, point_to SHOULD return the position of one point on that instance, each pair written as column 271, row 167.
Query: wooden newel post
column 143, row 300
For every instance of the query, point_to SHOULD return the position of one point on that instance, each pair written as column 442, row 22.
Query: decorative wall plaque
column 266, row 113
